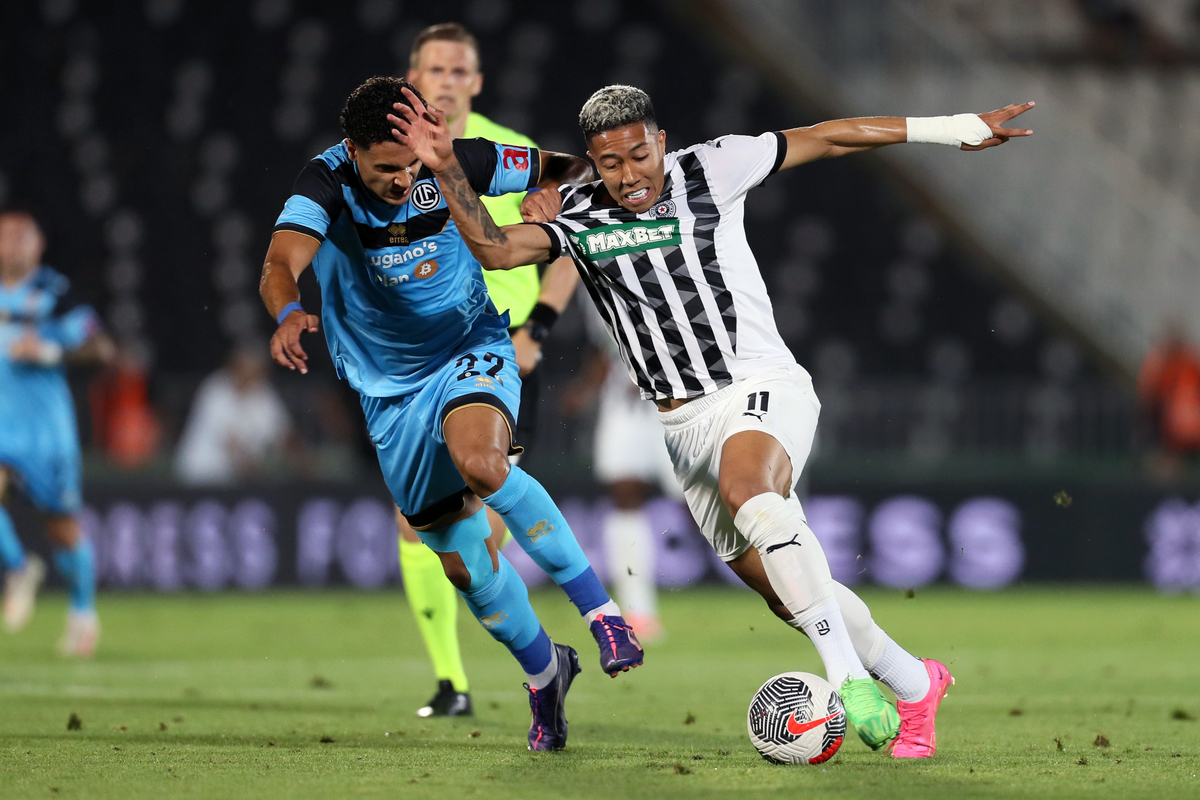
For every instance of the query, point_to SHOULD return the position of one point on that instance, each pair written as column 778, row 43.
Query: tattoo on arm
column 454, row 182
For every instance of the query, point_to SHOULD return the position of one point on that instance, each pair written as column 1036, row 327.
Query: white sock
column 629, row 547
column 543, row 678
column 895, row 667
column 798, row 572
column 609, row 609
column 824, row 626
column 902, row 672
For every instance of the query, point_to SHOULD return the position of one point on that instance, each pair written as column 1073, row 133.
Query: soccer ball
column 796, row 718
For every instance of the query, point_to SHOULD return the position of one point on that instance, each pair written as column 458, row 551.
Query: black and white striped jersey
column 677, row 286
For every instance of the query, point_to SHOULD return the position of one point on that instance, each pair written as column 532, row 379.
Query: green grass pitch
column 1073, row 692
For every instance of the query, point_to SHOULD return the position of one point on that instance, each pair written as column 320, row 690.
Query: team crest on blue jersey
column 664, row 209
column 425, row 196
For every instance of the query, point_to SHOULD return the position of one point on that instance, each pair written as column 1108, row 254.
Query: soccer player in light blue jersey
column 409, row 324
column 39, row 443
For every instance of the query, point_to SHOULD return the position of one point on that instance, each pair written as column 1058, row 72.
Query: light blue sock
column 77, row 565
column 12, row 555
column 542, row 532
column 502, row 606
column 497, row 597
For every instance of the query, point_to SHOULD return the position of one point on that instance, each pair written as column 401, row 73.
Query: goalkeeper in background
column 444, row 66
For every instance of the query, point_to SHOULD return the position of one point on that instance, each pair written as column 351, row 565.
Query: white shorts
column 779, row 401
column 629, row 439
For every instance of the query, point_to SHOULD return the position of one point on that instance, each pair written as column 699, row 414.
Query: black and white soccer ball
column 796, row 718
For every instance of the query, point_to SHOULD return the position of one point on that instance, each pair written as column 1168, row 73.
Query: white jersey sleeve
column 736, row 164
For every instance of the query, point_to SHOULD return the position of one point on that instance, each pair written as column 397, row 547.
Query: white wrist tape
column 49, row 353
column 956, row 130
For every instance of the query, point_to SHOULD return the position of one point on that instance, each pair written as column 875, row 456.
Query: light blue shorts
column 49, row 478
column 407, row 430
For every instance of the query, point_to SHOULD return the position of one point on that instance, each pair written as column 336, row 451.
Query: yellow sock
column 434, row 602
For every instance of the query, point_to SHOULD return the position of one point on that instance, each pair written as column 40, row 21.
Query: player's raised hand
column 541, row 205
column 285, row 342
column 423, row 130
column 994, row 120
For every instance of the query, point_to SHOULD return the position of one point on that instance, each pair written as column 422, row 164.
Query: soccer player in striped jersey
column 410, row 326
column 661, row 247
column 444, row 67
column 39, row 443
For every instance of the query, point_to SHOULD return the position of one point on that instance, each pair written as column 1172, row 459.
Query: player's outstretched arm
column 289, row 255
column 424, row 131
column 840, row 137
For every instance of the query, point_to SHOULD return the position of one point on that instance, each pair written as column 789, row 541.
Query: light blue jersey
column 401, row 292
column 406, row 312
column 38, row 435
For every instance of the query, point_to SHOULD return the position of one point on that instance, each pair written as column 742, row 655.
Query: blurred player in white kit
column 630, row 460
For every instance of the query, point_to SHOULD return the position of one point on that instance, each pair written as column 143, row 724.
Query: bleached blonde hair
column 615, row 107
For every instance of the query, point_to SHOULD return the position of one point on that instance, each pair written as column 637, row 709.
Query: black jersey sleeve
column 315, row 203
column 494, row 169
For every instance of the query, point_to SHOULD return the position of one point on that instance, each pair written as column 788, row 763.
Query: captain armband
column 957, row 130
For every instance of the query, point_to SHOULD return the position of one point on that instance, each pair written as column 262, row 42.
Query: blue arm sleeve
column 315, row 203
column 494, row 169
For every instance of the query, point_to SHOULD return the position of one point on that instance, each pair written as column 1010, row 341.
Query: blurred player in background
column 1169, row 401
column 444, row 67
column 631, row 461
column 662, row 247
column 237, row 423
column 39, row 441
column 409, row 324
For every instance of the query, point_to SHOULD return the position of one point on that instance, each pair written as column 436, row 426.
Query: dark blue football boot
column 620, row 649
column 548, row 730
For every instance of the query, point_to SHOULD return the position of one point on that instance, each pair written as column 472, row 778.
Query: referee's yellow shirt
column 513, row 290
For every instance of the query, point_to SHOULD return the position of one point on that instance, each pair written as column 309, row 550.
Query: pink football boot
column 918, row 737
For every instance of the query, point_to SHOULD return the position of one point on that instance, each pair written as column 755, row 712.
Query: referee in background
column 444, row 66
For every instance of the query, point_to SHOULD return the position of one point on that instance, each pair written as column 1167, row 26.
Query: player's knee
column 484, row 472
column 735, row 493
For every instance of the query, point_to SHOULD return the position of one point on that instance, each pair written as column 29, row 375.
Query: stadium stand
column 161, row 161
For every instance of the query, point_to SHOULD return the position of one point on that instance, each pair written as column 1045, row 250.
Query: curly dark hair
column 364, row 119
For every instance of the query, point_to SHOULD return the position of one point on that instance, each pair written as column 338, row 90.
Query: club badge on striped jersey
column 630, row 237
column 663, row 210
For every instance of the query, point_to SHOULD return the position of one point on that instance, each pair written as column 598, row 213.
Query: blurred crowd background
column 1016, row 327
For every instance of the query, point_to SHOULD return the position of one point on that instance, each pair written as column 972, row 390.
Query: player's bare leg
column 76, row 562
column 755, row 481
